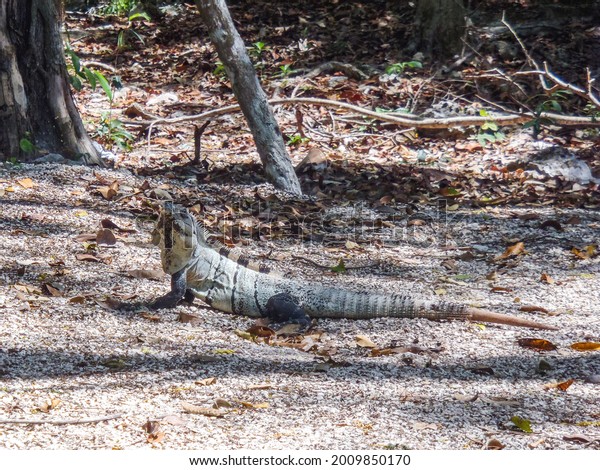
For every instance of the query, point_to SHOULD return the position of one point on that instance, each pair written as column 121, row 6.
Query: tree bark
column 250, row 95
column 440, row 26
column 35, row 95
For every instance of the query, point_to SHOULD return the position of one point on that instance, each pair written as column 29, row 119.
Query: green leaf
column 90, row 77
column 523, row 424
column 138, row 36
column 76, row 82
column 486, row 138
column 104, row 84
column 483, row 113
column 140, row 15
column 489, row 125
column 224, row 351
column 340, row 268
column 121, row 39
column 75, row 60
column 26, row 145
column 415, row 64
column 555, row 105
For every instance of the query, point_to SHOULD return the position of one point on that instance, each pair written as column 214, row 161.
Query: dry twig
column 60, row 422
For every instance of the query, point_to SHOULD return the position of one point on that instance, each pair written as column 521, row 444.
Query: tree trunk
column 251, row 97
column 440, row 27
column 35, row 97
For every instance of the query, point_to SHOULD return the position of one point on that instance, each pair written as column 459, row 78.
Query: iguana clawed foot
column 283, row 308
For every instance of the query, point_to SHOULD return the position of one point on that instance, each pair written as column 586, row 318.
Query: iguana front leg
column 178, row 291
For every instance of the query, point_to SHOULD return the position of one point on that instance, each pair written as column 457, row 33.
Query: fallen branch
column 59, row 422
column 417, row 123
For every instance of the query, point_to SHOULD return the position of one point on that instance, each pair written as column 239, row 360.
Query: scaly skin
column 197, row 270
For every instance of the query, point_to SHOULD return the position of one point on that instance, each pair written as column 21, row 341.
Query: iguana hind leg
column 283, row 308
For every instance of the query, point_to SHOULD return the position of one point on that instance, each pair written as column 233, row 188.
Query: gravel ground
column 65, row 356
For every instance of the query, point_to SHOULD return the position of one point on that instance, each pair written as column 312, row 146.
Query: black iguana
column 198, row 270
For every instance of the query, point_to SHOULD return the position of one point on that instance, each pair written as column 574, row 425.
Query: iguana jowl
column 199, row 270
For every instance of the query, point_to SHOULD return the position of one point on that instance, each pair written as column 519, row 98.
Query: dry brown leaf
column 86, row 237
column 151, row 427
column 589, row 251
column 385, row 200
column 155, row 438
column 364, row 342
column 207, row 381
column 106, row 237
column 110, row 303
column 573, row 220
column 151, row 317
column 560, row 385
column 494, row 444
column 53, row 290
column 78, row 299
column 107, row 223
column 501, row 289
column 26, row 183
column 110, row 191
column 565, row 385
column 27, row 289
column 154, row 434
column 513, row 251
column 537, row 343
column 586, row 346
column 50, row 404
column 533, row 308
column 261, row 331
column 546, row 278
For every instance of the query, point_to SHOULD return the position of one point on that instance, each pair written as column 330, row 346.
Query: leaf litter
column 366, row 190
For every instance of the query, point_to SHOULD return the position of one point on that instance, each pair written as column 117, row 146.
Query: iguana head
column 176, row 233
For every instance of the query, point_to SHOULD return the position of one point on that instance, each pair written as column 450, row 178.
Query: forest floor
column 436, row 214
